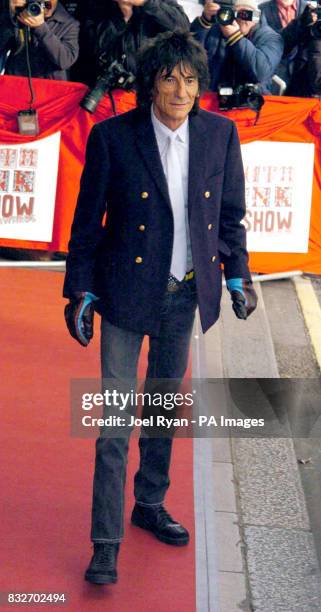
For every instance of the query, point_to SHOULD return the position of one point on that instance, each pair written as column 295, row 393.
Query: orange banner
column 281, row 119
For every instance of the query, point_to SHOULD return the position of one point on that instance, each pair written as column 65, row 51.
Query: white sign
column 28, row 180
column 278, row 179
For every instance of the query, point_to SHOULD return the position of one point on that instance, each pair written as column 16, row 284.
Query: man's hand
column 31, row 22
column 126, row 7
column 136, row 2
column 243, row 296
column 228, row 30
column 210, row 9
column 79, row 316
column 17, row 4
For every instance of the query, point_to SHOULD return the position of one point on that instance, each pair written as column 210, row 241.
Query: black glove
column 243, row 297
column 79, row 316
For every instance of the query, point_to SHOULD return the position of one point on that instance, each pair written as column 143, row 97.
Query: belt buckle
column 172, row 284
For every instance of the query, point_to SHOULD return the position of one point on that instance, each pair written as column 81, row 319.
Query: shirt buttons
column 142, row 228
column 144, row 195
column 139, row 260
column 210, row 226
column 213, row 259
column 207, row 194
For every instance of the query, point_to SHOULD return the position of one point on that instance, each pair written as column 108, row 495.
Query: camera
column 227, row 14
column 34, row 7
column 243, row 96
column 113, row 77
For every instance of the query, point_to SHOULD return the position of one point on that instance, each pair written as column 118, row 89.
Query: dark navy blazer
column 127, row 262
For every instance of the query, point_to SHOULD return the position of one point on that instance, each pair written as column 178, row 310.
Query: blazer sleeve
column 231, row 230
column 87, row 230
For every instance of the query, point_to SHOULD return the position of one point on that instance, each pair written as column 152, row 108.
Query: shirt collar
column 164, row 132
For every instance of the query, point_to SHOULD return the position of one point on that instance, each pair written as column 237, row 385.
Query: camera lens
column 34, row 9
column 225, row 16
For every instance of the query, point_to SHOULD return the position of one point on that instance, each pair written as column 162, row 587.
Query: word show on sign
column 16, row 207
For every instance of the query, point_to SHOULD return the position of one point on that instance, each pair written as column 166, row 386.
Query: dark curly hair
column 164, row 52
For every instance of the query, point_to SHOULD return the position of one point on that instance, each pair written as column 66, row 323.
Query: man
column 278, row 14
column 52, row 36
column 172, row 180
column 115, row 29
column 244, row 51
column 303, row 34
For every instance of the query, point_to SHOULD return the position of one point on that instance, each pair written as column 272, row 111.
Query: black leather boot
column 102, row 567
column 157, row 520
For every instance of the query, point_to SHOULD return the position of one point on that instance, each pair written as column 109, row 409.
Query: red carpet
column 46, row 476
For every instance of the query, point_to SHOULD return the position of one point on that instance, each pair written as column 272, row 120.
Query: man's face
column 245, row 26
column 174, row 95
column 48, row 12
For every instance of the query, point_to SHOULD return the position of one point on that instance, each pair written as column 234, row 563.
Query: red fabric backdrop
column 57, row 102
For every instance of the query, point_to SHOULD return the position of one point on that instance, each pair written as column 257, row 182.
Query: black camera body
column 243, row 96
column 34, row 7
column 113, row 77
column 227, row 14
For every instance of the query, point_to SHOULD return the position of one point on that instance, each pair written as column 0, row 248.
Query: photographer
column 278, row 14
column 305, row 33
column 118, row 28
column 52, row 36
column 244, row 51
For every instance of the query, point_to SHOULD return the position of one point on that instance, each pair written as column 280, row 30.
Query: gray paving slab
column 248, row 348
column 269, row 483
column 213, row 351
column 294, row 354
column 223, row 475
column 228, row 542
column 206, row 546
column 283, row 570
column 206, row 549
column 222, row 450
column 233, row 594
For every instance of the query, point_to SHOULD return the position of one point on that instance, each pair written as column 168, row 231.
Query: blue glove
column 243, row 296
column 79, row 316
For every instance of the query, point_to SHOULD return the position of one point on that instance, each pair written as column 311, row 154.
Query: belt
column 173, row 284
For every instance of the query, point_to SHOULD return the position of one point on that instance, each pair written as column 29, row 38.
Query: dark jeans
column 167, row 358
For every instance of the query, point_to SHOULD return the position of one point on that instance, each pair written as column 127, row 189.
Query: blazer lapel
column 197, row 157
column 147, row 146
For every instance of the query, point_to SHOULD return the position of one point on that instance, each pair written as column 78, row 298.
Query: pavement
column 261, row 512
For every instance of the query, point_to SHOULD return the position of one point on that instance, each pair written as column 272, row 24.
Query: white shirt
column 162, row 133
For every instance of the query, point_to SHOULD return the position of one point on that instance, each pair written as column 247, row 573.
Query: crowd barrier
column 281, row 119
